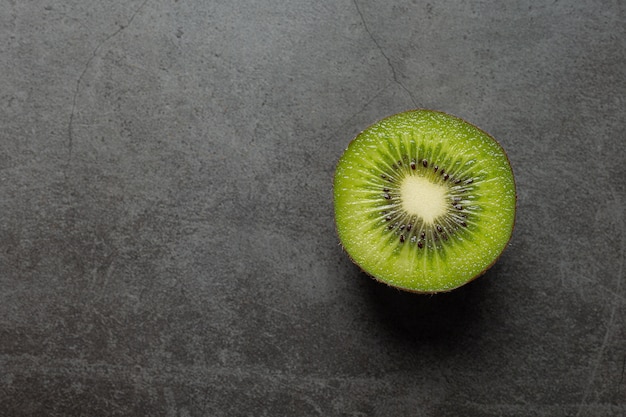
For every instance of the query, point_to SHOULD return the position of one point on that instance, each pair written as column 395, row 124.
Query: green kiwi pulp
column 424, row 201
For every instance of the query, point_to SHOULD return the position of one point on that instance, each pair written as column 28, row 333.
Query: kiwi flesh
column 424, row 201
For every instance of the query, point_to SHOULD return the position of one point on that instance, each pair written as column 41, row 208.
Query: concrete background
column 167, row 244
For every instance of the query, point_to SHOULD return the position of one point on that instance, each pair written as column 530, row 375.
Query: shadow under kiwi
column 452, row 318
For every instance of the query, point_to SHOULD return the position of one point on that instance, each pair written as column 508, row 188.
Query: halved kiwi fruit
column 424, row 201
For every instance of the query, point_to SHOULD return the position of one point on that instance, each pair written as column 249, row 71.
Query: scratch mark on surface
column 94, row 53
column 374, row 97
column 43, row 365
column 297, row 318
column 621, row 380
column 394, row 72
column 611, row 321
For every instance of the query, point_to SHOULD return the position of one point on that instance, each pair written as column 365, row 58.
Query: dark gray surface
column 167, row 244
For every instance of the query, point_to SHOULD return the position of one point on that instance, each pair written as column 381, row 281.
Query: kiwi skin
column 479, row 274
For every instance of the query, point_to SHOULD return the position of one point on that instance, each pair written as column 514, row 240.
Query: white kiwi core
column 421, row 197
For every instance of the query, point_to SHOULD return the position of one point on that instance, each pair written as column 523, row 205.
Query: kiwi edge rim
column 481, row 273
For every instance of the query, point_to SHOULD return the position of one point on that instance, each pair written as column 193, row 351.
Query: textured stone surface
column 167, row 244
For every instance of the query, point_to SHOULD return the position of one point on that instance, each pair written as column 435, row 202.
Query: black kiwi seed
column 422, row 235
column 425, row 163
column 439, row 229
column 401, row 238
column 420, row 244
column 445, row 177
column 458, row 207
column 412, row 164
column 402, row 227
column 387, row 196
column 436, row 167
column 383, row 176
column 408, row 227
